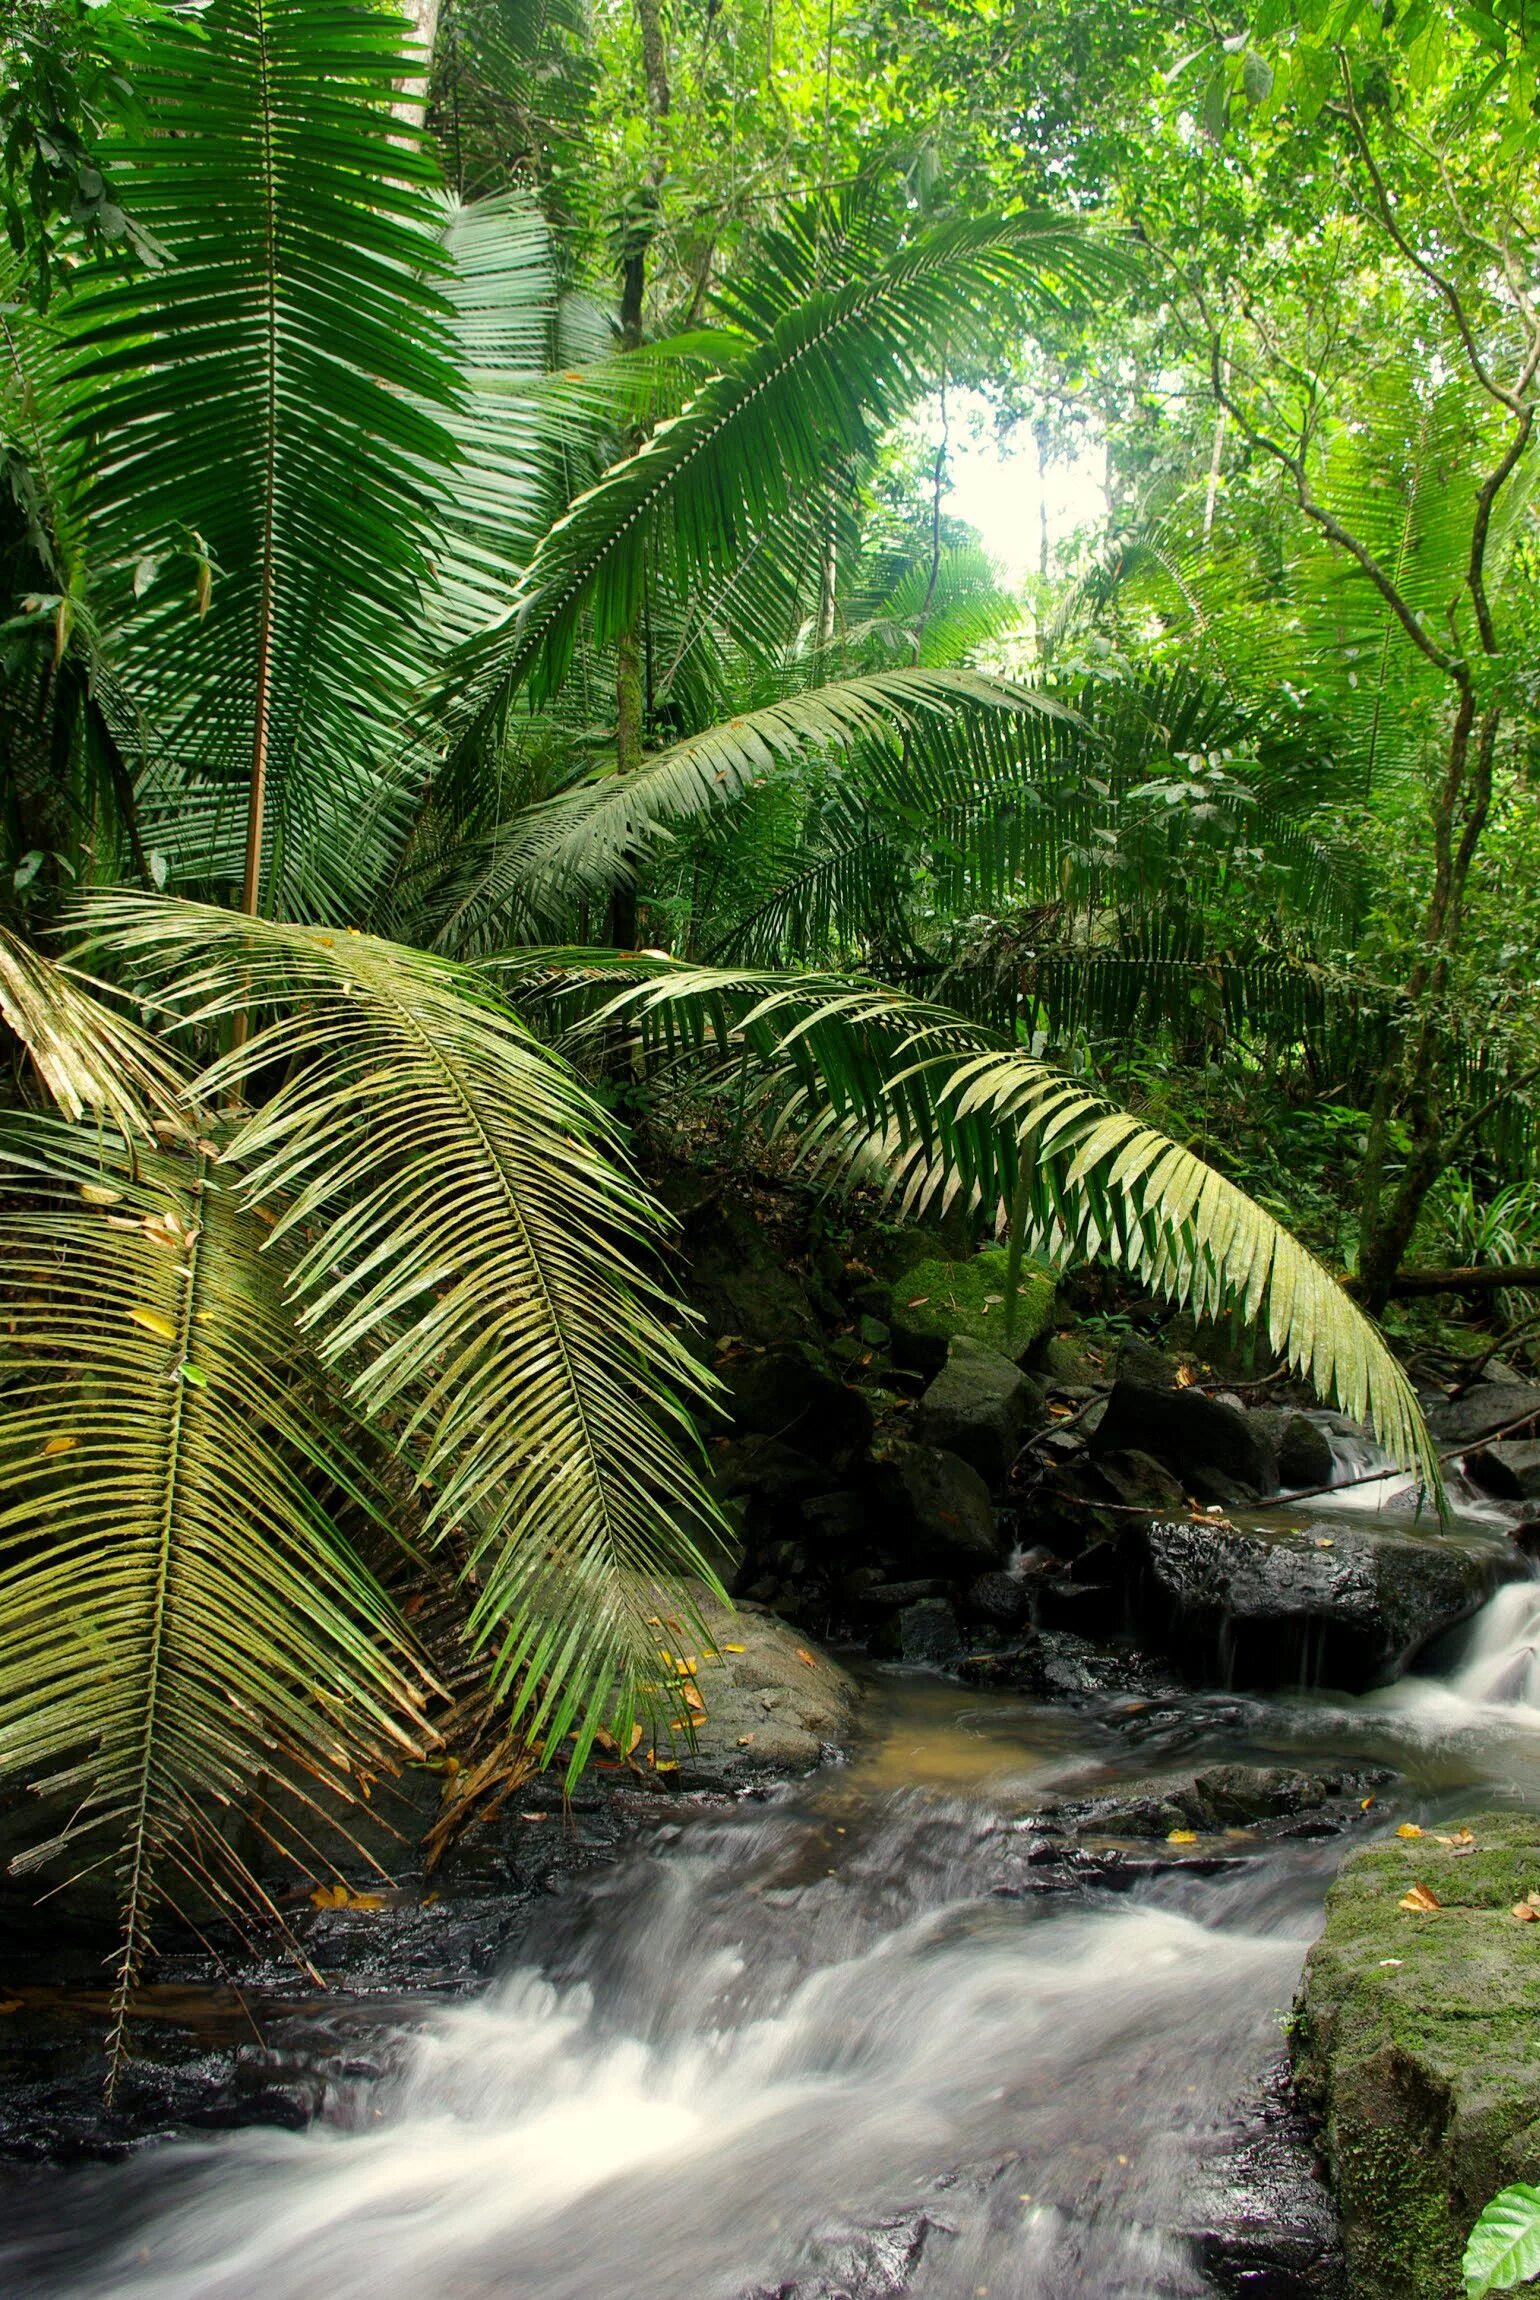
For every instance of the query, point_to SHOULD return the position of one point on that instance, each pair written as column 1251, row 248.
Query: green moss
column 939, row 1298
column 1420, row 2047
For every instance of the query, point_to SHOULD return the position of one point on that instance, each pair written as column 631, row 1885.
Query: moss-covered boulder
column 938, row 1299
column 1418, row 2045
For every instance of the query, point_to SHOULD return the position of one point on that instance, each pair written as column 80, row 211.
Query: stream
column 848, row 2039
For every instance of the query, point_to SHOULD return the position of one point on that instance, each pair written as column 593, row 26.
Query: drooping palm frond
column 260, row 433
column 833, row 339
column 477, row 1267
column 947, row 726
column 89, row 1059
column 867, row 1077
column 181, row 1614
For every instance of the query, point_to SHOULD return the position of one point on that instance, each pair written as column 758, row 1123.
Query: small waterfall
column 1502, row 1667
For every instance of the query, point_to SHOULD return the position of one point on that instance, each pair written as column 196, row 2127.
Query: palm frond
column 479, row 1267
column 88, row 1058
column 867, row 1076
column 820, row 370
column 180, row 1614
column 259, row 420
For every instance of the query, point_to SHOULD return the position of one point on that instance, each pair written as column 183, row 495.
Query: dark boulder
column 938, row 1512
column 939, row 1299
column 978, row 1407
column 1134, row 1480
column 1003, row 1600
column 1143, row 1362
column 1510, row 1469
column 1192, row 1434
column 738, row 1279
column 925, row 1633
column 1489, row 1407
column 790, row 1393
column 1334, row 1605
column 752, row 1468
column 1301, row 1448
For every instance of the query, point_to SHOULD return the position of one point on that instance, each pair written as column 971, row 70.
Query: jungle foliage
column 481, row 656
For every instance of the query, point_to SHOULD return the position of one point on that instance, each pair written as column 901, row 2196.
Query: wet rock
column 939, row 1299
column 1066, row 1361
column 1223, row 1797
column 1510, row 1469
column 978, row 1407
column 1259, row 2215
column 1195, row 1436
column 925, row 1633
column 1003, row 1600
column 1016, row 1667
column 875, row 2263
column 1331, row 1605
column 835, row 1522
column 939, row 1512
column 765, row 1468
column 1415, row 2045
column 1490, row 1406
column 790, row 1394
column 1301, row 1448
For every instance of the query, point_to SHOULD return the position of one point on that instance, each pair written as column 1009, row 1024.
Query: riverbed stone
column 1203, row 1441
column 938, row 1512
column 1489, row 1407
column 1415, row 2044
column 777, row 1707
column 978, row 1406
column 1327, row 1603
column 938, row 1299
column 1300, row 1447
column 1510, row 1469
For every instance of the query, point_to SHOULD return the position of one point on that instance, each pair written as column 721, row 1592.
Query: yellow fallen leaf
column 804, row 1656
column 61, row 1445
column 1420, row 1901
column 745, row 1740
column 1462, row 1839
column 1408, row 1829
column 99, row 1194
column 534, row 1816
column 686, row 1666
column 153, row 1322
column 636, row 1734
column 1526, row 1913
column 1182, row 1837
column 10, row 2004
column 694, row 1701
column 919, row 1301
column 1364, row 1803
column 735, row 1649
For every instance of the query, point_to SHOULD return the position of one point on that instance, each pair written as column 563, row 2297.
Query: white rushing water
column 837, row 2038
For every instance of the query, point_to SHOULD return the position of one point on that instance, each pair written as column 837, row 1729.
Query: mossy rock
column 1418, row 2044
column 939, row 1299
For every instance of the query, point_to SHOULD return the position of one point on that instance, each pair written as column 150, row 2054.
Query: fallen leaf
column 61, row 1444
column 804, row 1656
column 1408, row 1829
column 340, row 1897
column 1324, row 1541
column 1364, row 1803
column 534, row 1816
column 153, row 1322
column 1420, row 1901
column 1463, row 1841
column 98, row 1194
column 10, row 2004
column 687, row 1666
column 745, row 1740
column 735, row 1649
column 1182, row 1837
column 1525, row 1914
column 919, row 1302
column 636, row 1734
column 1387, row 1962
column 694, row 1701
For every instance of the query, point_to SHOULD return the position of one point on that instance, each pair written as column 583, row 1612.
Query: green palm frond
column 476, row 1266
column 895, row 727
column 260, row 426
column 88, row 1058
column 180, row 1614
column 868, row 1077
column 824, row 361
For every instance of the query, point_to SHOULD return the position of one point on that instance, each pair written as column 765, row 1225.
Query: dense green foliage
column 486, row 654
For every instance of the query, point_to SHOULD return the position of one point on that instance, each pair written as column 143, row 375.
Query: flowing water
column 842, row 2039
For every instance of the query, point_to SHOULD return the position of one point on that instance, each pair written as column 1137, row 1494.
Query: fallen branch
column 1485, row 1278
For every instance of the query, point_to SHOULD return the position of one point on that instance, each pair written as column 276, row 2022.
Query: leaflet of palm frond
column 479, row 1264
column 932, row 612
column 181, row 1611
column 91, row 1062
column 814, row 384
column 895, row 724
column 261, row 445
column 847, row 1069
